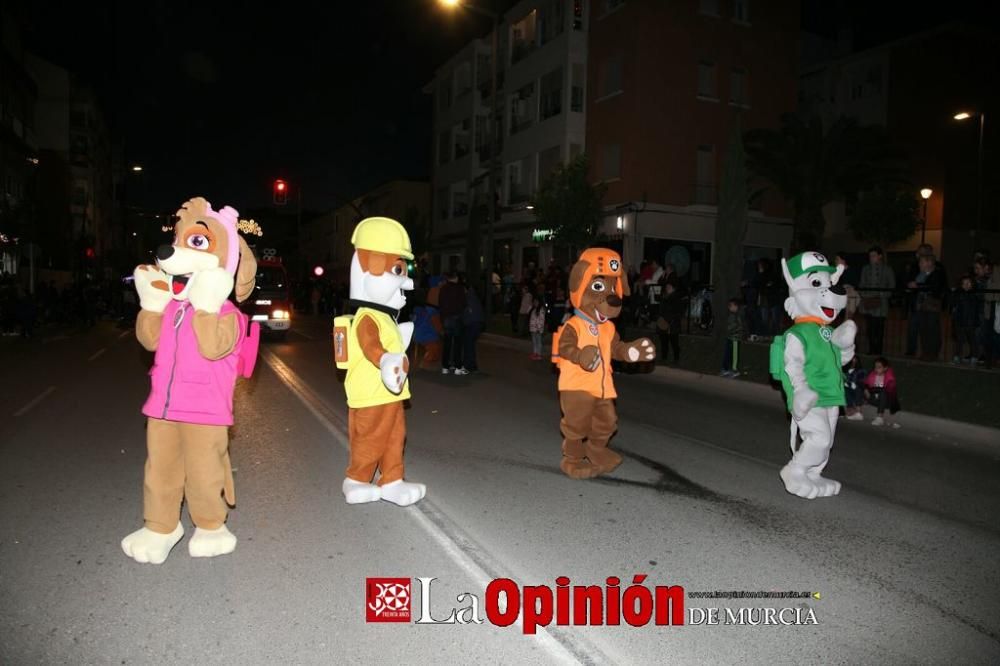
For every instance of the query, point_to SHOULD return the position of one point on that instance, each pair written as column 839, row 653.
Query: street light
column 137, row 168
column 965, row 115
column 494, row 147
column 925, row 194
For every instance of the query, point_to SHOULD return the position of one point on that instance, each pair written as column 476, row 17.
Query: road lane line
column 304, row 335
column 124, row 333
column 460, row 547
column 34, row 402
column 97, row 353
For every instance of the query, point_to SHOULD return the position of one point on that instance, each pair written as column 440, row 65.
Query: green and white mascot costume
column 808, row 359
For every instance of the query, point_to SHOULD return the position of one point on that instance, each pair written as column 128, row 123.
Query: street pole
column 923, row 225
column 494, row 160
column 979, row 202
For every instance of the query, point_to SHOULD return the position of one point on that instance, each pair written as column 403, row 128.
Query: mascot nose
column 838, row 290
column 164, row 252
column 614, row 301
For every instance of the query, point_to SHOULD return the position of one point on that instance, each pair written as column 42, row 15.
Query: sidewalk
column 983, row 433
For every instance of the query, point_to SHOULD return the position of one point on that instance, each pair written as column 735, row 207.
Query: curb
column 987, row 437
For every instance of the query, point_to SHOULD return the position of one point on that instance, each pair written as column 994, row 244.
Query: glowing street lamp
column 925, row 194
column 137, row 168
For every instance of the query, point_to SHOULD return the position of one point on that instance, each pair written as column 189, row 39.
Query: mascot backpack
column 341, row 329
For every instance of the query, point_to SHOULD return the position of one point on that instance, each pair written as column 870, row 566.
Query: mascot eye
column 197, row 241
column 597, row 286
column 397, row 269
column 817, row 283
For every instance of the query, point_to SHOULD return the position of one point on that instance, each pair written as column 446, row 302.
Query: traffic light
column 280, row 192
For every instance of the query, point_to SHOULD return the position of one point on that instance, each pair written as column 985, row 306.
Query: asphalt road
column 905, row 559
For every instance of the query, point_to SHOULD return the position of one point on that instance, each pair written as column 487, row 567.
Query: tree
column 885, row 215
column 812, row 165
column 569, row 205
column 730, row 230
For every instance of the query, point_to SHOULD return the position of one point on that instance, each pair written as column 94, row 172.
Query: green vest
column 823, row 367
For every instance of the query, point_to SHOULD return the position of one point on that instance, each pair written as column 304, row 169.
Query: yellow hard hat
column 382, row 234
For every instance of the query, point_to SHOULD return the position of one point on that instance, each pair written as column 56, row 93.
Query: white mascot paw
column 843, row 338
column 149, row 547
column 210, row 289
column 803, row 400
column 406, row 331
column 393, row 367
column 807, row 484
column 403, row 493
column 357, row 492
column 153, row 287
column 209, row 543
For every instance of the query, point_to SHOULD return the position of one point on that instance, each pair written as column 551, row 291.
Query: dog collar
column 811, row 320
column 357, row 303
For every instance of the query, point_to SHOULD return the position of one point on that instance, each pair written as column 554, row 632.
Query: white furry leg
column 802, row 474
column 209, row 543
column 149, row 547
column 403, row 493
column 358, row 492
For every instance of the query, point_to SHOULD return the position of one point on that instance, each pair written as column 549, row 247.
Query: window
column 611, row 161
column 444, row 93
column 463, row 79
column 515, row 185
column 522, row 108
column 741, row 11
column 80, row 193
column 704, row 187
column 551, row 20
column 442, row 202
column 611, row 75
column 706, row 80
column 462, row 133
column 459, row 200
column 578, row 14
column 738, row 87
column 484, row 74
column 575, row 150
column 576, row 91
column 709, row 7
column 523, row 37
column 444, row 147
column 612, row 5
column 548, row 161
column 551, row 94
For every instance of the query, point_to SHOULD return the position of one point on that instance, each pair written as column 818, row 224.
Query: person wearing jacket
column 876, row 285
column 451, row 301
column 931, row 289
column 669, row 322
column 880, row 391
column 966, row 317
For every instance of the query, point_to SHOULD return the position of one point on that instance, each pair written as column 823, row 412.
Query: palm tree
column 812, row 165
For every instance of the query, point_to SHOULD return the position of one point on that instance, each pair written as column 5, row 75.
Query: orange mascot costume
column 583, row 349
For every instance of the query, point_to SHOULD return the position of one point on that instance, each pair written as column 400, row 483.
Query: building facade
column 541, row 90
column 667, row 84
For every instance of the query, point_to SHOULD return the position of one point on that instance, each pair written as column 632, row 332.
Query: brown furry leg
column 576, row 407
column 603, row 425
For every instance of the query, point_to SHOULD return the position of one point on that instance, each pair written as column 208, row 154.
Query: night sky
column 221, row 98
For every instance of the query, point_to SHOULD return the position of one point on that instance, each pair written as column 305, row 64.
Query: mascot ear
column 246, row 274
column 623, row 283
column 788, row 276
column 835, row 277
column 577, row 275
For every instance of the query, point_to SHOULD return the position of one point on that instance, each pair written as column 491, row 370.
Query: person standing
column 451, row 301
column 931, row 287
column 669, row 322
column 877, row 283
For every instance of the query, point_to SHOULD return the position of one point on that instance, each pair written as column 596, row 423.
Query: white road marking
column 34, row 402
column 124, row 333
column 561, row 645
column 97, row 353
column 304, row 335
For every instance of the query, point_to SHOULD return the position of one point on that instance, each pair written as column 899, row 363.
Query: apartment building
column 541, row 84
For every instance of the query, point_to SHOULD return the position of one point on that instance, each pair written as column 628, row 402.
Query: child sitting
column 880, row 390
column 854, row 389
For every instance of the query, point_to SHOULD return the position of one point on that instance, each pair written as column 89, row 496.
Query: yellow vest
column 364, row 380
column 574, row 378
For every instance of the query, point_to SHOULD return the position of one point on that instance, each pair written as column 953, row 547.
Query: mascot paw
column 808, row 486
column 149, row 547
column 153, row 287
column 843, row 335
column 403, row 493
column 578, row 468
column 209, row 543
column 358, row 492
column 210, row 289
column 641, row 350
column 803, row 400
column 590, row 358
column 394, row 368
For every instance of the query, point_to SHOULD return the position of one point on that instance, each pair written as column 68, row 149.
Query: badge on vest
column 593, row 329
column 826, row 333
column 179, row 316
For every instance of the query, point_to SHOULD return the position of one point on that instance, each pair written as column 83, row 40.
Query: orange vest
column 574, row 378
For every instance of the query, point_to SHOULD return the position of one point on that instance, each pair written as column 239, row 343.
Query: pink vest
column 186, row 386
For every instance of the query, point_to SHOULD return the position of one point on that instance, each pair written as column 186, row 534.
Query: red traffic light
column 89, row 253
column 280, row 192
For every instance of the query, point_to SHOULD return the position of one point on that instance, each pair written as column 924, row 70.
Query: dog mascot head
column 812, row 287
column 204, row 239
column 378, row 268
column 597, row 284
